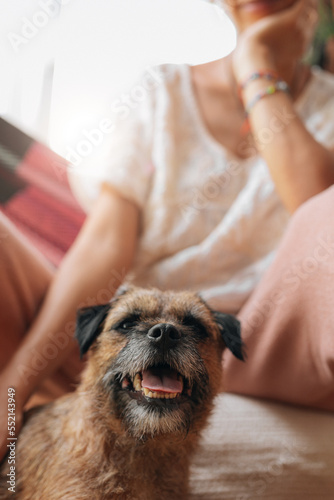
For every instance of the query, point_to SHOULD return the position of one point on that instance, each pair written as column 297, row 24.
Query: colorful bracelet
column 266, row 74
column 279, row 86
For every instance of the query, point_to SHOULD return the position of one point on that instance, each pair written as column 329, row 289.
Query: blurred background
column 64, row 62
column 65, row 65
column 322, row 52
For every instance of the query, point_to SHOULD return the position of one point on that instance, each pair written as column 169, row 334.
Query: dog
column 133, row 423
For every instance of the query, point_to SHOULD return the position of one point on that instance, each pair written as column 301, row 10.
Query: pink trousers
column 287, row 323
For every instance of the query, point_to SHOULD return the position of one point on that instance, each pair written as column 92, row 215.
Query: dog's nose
column 164, row 333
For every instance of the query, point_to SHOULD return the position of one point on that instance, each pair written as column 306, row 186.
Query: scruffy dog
column 129, row 429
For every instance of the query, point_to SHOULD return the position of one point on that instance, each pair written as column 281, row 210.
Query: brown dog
column 131, row 426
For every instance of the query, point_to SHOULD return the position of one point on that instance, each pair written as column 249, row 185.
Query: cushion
column 255, row 449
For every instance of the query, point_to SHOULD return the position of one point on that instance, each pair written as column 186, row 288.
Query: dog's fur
column 107, row 441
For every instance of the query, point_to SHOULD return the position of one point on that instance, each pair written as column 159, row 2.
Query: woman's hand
column 276, row 41
column 299, row 166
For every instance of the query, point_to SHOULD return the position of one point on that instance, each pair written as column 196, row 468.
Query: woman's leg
column 25, row 278
column 288, row 322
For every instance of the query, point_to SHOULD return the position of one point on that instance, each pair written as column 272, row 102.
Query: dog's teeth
column 137, row 382
column 159, row 395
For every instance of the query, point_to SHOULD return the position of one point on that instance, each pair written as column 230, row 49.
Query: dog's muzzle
column 160, row 379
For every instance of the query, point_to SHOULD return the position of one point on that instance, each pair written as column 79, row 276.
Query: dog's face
column 156, row 358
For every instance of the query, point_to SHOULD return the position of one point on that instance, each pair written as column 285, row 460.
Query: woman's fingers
column 298, row 23
column 307, row 14
column 301, row 10
column 307, row 20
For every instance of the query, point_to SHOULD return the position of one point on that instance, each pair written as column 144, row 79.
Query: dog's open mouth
column 158, row 382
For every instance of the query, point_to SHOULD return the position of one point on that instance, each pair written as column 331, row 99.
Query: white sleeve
column 123, row 157
column 317, row 106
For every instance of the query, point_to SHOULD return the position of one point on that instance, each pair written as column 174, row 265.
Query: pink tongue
column 161, row 379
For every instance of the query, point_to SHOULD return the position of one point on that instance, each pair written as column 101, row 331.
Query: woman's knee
column 318, row 208
column 310, row 234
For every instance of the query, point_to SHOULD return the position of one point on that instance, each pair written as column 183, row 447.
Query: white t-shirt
column 211, row 222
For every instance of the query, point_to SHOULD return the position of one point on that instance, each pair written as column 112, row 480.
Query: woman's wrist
column 257, row 86
column 251, row 58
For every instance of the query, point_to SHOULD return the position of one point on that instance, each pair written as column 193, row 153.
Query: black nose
column 165, row 334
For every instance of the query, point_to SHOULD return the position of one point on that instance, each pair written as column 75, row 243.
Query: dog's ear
column 230, row 330
column 89, row 325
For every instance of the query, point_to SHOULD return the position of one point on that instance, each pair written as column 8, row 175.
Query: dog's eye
column 195, row 324
column 126, row 324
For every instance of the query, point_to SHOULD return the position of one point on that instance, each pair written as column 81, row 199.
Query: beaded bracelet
column 280, row 85
column 266, row 74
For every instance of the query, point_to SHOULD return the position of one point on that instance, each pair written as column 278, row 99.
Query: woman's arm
column 98, row 260
column 299, row 165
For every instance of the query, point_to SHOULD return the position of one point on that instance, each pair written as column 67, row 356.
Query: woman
column 217, row 240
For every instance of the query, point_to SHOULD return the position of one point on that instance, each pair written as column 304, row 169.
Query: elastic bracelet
column 266, row 74
column 272, row 89
column 279, row 86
